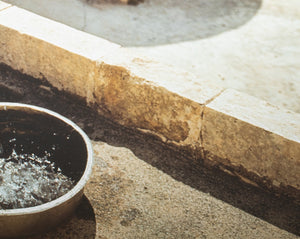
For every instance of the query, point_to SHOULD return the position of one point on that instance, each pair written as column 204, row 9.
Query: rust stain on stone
column 133, row 102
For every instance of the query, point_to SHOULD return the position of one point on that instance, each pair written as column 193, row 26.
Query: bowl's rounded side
column 19, row 225
column 32, row 220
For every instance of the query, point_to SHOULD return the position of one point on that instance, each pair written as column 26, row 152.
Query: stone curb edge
column 240, row 134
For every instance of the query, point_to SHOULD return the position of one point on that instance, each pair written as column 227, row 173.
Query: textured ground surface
column 250, row 45
column 142, row 189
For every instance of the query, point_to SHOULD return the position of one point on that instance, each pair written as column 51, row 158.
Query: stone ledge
column 259, row 141
column 100, row 72
column 140, row 93
column 227, row 128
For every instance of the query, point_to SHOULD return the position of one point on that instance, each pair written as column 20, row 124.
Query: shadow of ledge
column 81, row 225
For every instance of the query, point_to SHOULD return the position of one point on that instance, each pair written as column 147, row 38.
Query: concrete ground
column 250, row 45
column 142, row 189
column 129, row 198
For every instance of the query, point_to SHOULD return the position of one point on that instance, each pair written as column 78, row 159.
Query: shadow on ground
column 81, row 225
column 157, row 22
column 151, row 23
column 279, row 211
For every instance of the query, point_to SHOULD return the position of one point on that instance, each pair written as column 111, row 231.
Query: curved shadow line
column 160, row 23
column 81, row 225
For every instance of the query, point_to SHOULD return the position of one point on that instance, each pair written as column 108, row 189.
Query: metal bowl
column 37, row 130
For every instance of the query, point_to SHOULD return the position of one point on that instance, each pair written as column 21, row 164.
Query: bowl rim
column 79, row 185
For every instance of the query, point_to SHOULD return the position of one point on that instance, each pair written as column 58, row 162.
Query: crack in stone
column 202, row 151
column 214, row 97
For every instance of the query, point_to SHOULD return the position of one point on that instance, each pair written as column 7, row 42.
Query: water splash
column 27, row 180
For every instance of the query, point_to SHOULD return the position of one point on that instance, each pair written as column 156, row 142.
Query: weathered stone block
column 135, row 102
column 138, row 92
column 257, row 140
column 163, row 75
